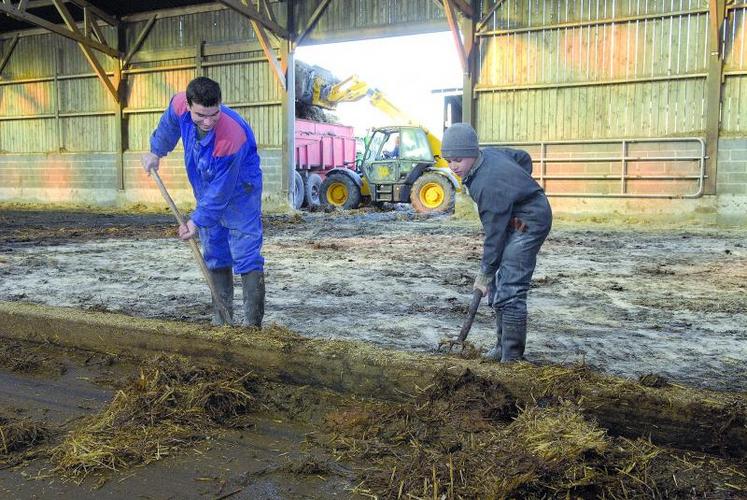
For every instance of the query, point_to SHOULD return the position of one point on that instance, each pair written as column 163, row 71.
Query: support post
column 289, row 110
column 289, row 123
column 468, row 82
column 119, row 128
column 713, row 87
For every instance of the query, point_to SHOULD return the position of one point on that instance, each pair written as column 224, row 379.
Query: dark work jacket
column 501, row 184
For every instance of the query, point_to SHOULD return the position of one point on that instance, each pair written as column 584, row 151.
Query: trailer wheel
column 340, row 191
column 313, row 185
column 432, row 193
column 298, row 191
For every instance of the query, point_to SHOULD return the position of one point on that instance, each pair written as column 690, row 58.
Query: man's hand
column 187, row 231
column 149, row 162
column 481, row 283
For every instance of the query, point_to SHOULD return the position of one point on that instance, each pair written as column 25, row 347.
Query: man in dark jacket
column 516, row 217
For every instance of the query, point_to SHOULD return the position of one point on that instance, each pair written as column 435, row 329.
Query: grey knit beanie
column 460, row 141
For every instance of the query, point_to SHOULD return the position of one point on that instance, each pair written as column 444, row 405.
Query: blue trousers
column 224, row 248
column 511, row 286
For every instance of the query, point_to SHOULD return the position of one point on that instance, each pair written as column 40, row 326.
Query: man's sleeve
column 495, row 214
column 215, row 198
column 167, row 133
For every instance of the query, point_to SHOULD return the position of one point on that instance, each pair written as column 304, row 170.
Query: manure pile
column 464, row 437
column 460, row 436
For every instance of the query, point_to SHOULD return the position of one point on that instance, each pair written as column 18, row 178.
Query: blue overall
column 501, row 184
column 223, row 169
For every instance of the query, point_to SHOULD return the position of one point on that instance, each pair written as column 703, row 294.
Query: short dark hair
column 204, row 91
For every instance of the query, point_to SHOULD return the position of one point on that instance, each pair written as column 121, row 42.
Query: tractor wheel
column 339, row 191
column 298, row 191
column 313, row 183
column 432, row 193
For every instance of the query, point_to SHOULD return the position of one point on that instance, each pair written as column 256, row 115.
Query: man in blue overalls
column 516, row 217
column 222, row 163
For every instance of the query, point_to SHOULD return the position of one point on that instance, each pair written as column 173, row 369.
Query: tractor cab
column 398, row 166
column 394, row 158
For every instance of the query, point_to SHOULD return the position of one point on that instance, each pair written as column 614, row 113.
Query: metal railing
column 624, row 159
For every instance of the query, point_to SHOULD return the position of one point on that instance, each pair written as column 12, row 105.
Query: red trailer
column 320, row 147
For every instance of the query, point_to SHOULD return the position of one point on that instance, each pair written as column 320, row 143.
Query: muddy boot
column 495, row 353
column 223, row 281
column 514, row 336
column 253, row 284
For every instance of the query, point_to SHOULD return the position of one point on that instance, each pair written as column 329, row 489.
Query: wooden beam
column 87, row 51
column 246, row 9
column 94, row 26
column 272, row 59
column 268, row 10
column 76, row 35
column 139, row 41
column 462, row 5
column 109, row 19
column 6, row 57
column 454, row 27
column 313, row 20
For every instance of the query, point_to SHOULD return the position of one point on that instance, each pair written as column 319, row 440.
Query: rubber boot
column 514, row 336
column 223, row 281
column 253, row 286
column 494, row 354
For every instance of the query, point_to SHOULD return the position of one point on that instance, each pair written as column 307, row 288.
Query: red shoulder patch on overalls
column 229, row 136
column 179, row 104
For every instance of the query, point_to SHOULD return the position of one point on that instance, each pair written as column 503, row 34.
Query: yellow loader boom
column 320, row 88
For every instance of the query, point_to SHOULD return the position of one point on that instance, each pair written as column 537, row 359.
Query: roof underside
column 116, row 8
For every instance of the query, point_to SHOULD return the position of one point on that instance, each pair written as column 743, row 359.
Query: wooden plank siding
column 71, row 88
column 578, row 70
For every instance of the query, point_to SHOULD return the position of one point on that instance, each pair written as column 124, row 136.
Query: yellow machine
column 401, row 163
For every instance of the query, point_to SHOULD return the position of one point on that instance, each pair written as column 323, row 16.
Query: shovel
column 222, row 309
column 461, row 339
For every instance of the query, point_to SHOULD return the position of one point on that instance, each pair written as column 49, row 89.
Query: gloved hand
column 187, row 230
column 150, row 162
column 481, row 282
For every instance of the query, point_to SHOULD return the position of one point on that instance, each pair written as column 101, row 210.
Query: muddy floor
column 626, row 299
column 54, row 389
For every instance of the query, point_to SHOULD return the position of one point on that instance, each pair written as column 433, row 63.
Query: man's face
column 461, row 166
column 204, row 117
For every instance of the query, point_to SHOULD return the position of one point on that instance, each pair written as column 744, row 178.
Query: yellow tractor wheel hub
column 432, row 195
column 337, row 194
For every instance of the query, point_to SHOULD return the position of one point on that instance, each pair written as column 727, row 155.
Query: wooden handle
column 476, row 298
column 222, row 309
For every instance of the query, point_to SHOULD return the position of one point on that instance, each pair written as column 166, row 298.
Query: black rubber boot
column 253, row 285
column 494, row 354
column 223, row 281
column 514, row 336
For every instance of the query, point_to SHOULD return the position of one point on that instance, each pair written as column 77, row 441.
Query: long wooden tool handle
column 222, row 309
column 476, row 298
